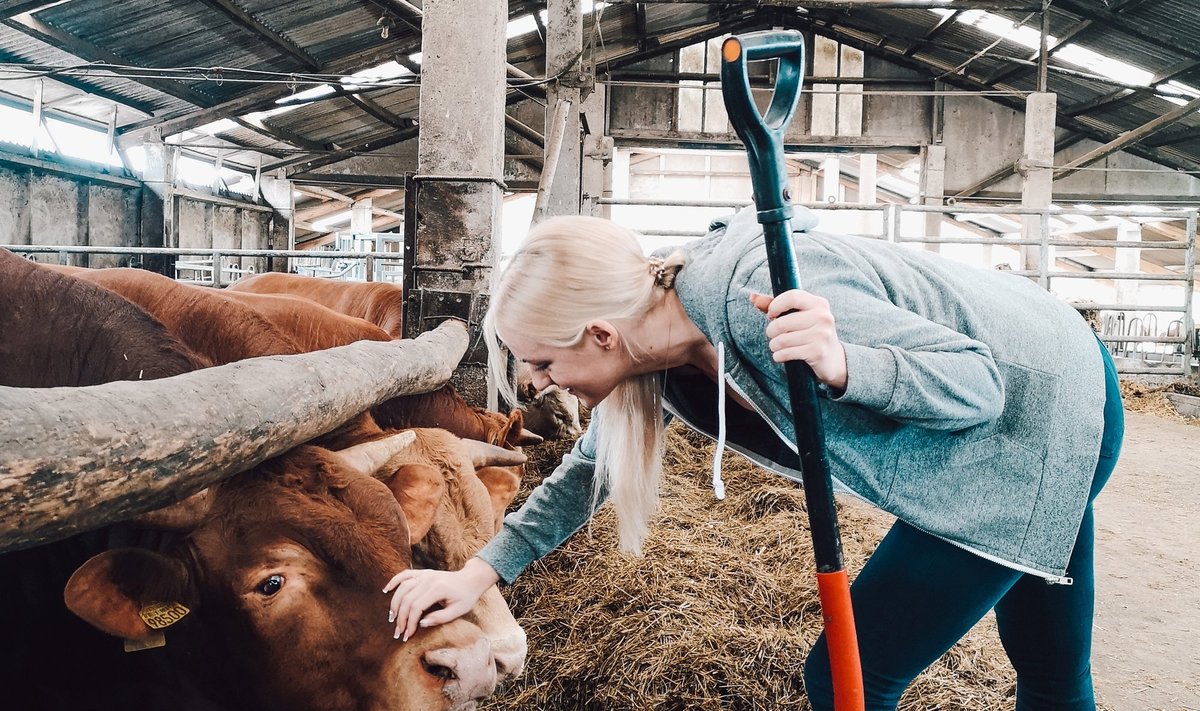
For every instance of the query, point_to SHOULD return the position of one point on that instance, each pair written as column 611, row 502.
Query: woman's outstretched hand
column 416, row 590
column 801, row 327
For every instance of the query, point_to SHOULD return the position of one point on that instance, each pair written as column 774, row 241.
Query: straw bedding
column 719, row 613
column 1148, row 398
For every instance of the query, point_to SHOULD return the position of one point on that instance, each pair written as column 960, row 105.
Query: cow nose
column 509, row 653
column 467, row 670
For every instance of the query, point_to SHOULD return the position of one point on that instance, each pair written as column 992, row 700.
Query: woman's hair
column 569, row 272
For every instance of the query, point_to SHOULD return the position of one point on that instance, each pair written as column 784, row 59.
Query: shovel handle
column 763, row 136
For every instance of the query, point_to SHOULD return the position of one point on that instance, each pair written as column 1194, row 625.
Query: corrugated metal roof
column 344, row 36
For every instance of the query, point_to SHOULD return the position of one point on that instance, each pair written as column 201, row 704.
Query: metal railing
column 1171, row 350
column 369, row 264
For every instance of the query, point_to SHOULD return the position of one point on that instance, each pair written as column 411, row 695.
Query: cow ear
column 419, row 489
column 502, row 484
column 121, row 590
column 517, row 435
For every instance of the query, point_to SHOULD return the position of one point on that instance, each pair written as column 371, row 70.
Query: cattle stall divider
column 204, row 258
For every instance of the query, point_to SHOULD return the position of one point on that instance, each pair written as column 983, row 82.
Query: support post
column 1036, row 168
column 564, row 45
column 933, row 189
column 452, row 248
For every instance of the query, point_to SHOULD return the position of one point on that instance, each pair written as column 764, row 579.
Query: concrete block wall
column 43, row 208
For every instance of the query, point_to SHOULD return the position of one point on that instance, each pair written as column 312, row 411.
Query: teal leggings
column 918, row 595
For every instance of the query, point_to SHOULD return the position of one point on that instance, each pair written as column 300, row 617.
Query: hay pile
column 719, row 614
column 1151, row 399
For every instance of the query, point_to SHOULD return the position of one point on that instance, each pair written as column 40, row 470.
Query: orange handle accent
column 834, row 589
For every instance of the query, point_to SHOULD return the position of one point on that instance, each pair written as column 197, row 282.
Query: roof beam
column 1124, row 25
column 85, row 87
column 1129, row 138
column 247, row 21
column 943, row 24
column 370, row 106
column 279, row 133
column 1190, row 134
column 1119, row 96
column 258, row 99
column 88, row 52
column 879, row 46
column 1010, row 72
column 9, row 8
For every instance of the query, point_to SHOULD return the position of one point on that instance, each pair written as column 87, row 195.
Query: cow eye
column 271, row 585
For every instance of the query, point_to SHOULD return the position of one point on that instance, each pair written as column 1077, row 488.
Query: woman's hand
column 801, row 327
column 418, row 590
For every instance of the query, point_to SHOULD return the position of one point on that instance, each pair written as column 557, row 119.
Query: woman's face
column 589, row 369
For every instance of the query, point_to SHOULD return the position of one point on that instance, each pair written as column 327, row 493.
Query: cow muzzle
column 467, row 670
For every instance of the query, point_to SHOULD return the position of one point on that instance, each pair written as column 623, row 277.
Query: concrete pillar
column 564, row 42
column 1037, row 185
column 831, row 179
column 933, row 189
column 360, row 218
column 596, row 179
column 159, row 177
column 277, row 191
column 868, row 176
column 450, row 255
column 620, row 173
column 1129, row 260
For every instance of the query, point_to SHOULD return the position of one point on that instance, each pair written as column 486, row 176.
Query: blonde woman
column 972, row 405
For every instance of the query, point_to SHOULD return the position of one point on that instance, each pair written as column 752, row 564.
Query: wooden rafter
column 1129, row 138
column 278, row 133
column 245, row 20
column 943, row 24
column 30, row 25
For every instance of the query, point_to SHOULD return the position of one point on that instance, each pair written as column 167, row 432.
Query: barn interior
column 415, row 141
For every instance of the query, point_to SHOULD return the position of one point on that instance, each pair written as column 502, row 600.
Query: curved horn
column 489, row 455
column 368, row 457
column 77, row 458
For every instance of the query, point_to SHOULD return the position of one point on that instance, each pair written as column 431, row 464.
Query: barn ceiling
column 282, row 99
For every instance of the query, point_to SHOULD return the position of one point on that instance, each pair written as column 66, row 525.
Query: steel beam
column 247, row 21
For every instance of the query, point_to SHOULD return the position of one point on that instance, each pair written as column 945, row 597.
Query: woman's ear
column 603, row 334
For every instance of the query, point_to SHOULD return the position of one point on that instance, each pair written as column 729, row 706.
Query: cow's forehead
column 353, row 524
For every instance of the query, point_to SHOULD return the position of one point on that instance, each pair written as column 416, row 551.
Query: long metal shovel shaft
column 764, row 146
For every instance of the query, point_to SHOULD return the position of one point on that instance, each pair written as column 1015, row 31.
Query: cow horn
column 489, row 455
column 73, row 459
column 368, row 457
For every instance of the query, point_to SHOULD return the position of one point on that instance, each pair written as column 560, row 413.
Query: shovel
column 763, row 137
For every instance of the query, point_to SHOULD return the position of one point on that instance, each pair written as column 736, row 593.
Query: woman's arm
column 875, row 354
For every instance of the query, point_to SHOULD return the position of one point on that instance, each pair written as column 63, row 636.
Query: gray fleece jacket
column 973, row 408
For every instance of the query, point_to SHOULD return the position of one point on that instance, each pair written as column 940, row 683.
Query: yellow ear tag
column 160, row 615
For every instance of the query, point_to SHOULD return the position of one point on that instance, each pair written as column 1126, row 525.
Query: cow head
column 552, row 413
column 278, row 593
column 463, row 521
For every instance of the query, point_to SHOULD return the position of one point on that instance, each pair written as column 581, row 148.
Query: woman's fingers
column 416, row 591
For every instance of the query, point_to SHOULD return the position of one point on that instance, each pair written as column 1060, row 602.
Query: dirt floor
column 1147, row 645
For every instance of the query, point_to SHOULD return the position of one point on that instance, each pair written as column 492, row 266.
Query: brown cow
column 227, row 326
column 289, row 324
column 313, row 514
column 552, row 414
column 380, row 303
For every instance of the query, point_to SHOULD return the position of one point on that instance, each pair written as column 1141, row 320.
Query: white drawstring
column 718, row 484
